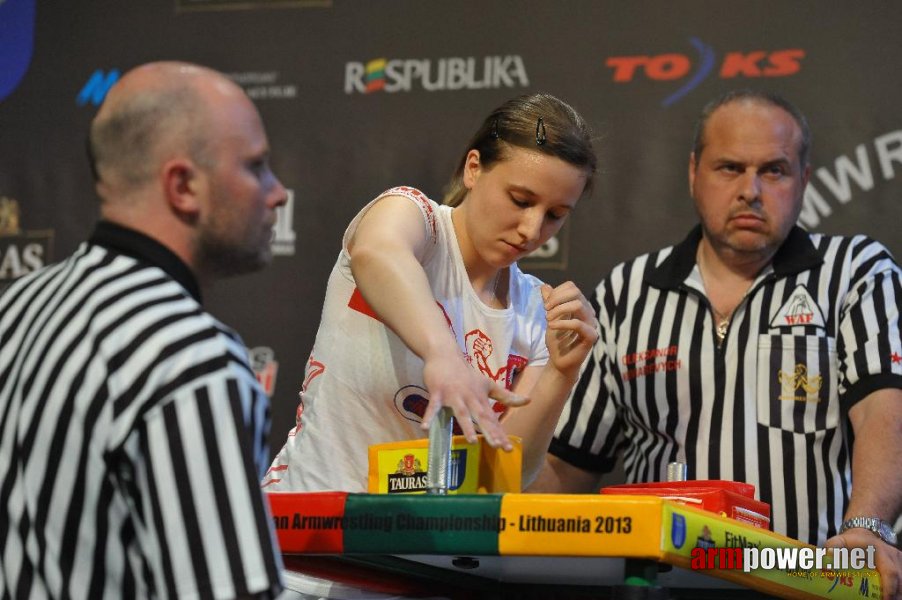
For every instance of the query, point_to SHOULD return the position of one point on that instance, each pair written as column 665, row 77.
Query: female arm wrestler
column 427, row 308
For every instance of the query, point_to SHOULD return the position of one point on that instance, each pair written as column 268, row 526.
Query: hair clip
column 493, row 132
column 541, row 138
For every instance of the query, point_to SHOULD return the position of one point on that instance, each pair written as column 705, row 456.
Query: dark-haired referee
column 752, row 350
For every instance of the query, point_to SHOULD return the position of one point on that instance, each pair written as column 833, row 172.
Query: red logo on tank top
column 314, row 370
column 480, row 348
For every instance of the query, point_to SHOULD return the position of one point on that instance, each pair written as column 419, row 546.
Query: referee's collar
column 797, row 254
column 137, row 245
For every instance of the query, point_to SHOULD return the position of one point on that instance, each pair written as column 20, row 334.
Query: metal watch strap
column 875, row 524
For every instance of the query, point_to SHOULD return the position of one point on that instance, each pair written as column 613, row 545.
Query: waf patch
column 799, row 309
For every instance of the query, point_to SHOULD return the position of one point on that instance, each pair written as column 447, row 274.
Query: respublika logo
column 97, row 86
column 456, row 73
column 16, row 42
column 678, row 66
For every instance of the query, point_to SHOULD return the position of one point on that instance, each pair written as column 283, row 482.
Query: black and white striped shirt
column 817, row 331
column 132, row 434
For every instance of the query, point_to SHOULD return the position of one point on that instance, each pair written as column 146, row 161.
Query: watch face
column 886, row 532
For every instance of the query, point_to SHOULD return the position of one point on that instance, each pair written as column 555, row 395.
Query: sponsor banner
column 709, row 535
column 434, row 75
column 284, row 236
column 839, row 184
column 402, row 467
column 266, row 367
column 704, row 61
column 581, row 525
column 17, row 18
column 21, row 252
column 264, row 85
column 315, row 523
column 192, row 5
column 553, row 254
column 553, row 525
column 96, row 87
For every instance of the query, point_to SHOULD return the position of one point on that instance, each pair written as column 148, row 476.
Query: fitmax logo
column 675, row 66
column 95, row 90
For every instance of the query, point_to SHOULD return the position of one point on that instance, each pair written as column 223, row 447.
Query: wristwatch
column 883, row 529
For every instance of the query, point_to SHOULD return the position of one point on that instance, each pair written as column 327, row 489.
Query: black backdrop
column 359, row 96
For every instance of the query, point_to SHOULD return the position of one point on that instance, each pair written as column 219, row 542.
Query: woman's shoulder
column 427, row 206
column 412, row 193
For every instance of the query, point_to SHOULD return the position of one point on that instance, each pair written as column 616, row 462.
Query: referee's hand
column 887, row 558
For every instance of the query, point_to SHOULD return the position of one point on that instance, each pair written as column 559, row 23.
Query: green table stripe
column 465, row 524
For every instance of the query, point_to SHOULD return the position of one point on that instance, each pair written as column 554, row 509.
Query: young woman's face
column 516, row 205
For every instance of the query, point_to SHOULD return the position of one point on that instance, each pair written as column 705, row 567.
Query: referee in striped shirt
column 752, row 350
column 132, row 430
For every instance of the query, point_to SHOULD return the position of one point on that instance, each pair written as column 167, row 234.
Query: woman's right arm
column 386, row 253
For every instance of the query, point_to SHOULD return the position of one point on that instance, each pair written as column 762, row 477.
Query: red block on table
column 732, row 499
column 289, row 510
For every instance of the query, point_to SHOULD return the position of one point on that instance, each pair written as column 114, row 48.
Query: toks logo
column 673, row 66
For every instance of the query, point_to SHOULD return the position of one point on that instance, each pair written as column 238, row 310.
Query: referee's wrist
column 875, row 525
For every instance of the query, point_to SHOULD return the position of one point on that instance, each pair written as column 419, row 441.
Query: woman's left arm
column 572, row 332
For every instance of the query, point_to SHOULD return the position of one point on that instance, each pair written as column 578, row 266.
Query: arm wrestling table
column 532, row 546
column 525, row 546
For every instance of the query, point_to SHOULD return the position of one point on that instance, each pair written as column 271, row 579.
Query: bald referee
column 132, row 430
column 752, row 350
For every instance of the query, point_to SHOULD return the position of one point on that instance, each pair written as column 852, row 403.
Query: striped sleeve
column 197, row 481
column 587, row 432
column 870, row 344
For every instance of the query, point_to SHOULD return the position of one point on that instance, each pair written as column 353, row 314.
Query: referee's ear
column 184, row 187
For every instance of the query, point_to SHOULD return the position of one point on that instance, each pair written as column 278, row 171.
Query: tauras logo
column 407, row 483
column 456, row 73
column 20, row 252
column 409, row 476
